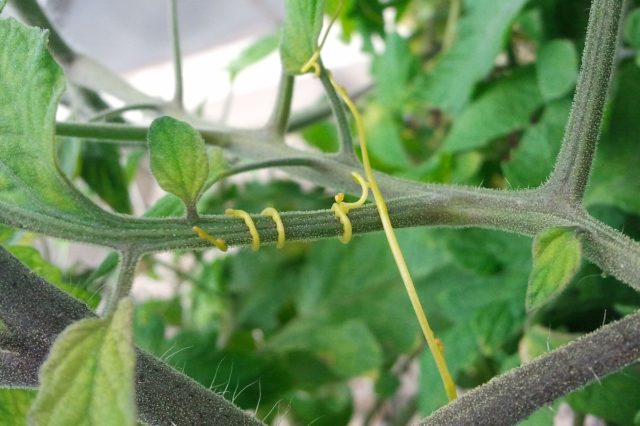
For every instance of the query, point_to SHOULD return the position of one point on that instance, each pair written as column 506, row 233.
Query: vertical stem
column 573, row 167
column 280, row 117
column 452, row 22
column 178, row 97
column 122, row 287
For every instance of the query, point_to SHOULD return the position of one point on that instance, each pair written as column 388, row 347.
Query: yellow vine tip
column 273, row 213
column 241, row 214
column 204, row 235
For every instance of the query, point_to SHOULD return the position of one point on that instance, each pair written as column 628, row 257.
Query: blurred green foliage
column 286, row 331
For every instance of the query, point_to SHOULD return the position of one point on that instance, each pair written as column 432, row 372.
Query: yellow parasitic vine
column 341, row 209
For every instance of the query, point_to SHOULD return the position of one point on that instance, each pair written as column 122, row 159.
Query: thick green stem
column 575, row 160
column 513, row 396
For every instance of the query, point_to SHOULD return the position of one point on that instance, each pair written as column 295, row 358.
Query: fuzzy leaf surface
column 179, row 159
column 302, row 26
column 88, row 377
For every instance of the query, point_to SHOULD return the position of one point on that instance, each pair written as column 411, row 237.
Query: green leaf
column 479, row 39
column 302, row 26
column 632, row 29
column 2, row 4
column 506, row 106
column 178, row 159
column 257, row 51
column 531, row 162
column 14, row 406
column 557, row 69
column 88, row 378
column 33, row 191
column 102, row 171
column 556, row 259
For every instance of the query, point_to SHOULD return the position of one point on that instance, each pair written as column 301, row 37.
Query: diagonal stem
column 513, row 396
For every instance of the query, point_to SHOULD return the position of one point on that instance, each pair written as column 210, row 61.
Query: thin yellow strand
column 341, row 209
column 241, row 214
column 313, row 60
column 273, row 213
column 432, row 342
column 217, row 242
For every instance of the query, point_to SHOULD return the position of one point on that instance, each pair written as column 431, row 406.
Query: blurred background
column 472, row 92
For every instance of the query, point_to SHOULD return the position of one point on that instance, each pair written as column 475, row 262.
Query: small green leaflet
column 179, row 160
column 557, row 69
column 302, row 26
column 556, row 259
column 88, row 378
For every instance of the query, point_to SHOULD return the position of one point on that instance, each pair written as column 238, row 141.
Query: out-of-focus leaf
column 383, row 137
column 479, row 38
column 349, row 349
column 557, row 69
column 615, row 179
column 254, row 53
column 88, row 376
column 326, row 406
column 322, row 135
column 302, row 26
column 505, row 107
column 392, row 72
column 613, row 398
column 179, row 159
column 557, row 253
column 539, row 340
column 2, row 3
column 632, row 29
column 15, row 403
column 531, row 162
column 102, row 171
column 32, row 258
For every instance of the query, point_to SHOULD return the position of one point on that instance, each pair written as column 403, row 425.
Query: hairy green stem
column 575, row 160
column 513, row 396
column 122, row 286
column 338, row 108
column 178, row 94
